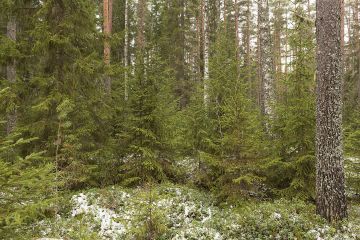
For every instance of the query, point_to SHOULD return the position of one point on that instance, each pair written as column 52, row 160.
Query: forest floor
column 179, row 212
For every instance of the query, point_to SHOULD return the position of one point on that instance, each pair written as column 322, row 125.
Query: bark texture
column 278, row 28
column 140, row 36
column 266, row 68
column 107, row 8
column 140, row 41
column 330, row 187
column 126, row 50
column 11, row 74
column 246, row 35
column 204, row 49
column 237, row 33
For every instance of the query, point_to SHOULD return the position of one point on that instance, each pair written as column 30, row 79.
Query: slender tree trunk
column 201, row 42
column 247, row 35
column 222, row 11
column 126, row 50
column 205, row 50
column 278, row 27
column 180, row 55
column 357, row 44
column 286, row 45
column 106, row 31
column 330, row 186
column 140, row 39
column 253, row 90
column 11, row 74
column 236, row 5
column 258, row 69
column 107, row 8
column 265, row 59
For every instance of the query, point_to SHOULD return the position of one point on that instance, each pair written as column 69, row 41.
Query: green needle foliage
column 292, row 172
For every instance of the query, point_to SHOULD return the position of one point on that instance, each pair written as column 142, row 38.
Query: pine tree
column 330, row 182
column 107, row 15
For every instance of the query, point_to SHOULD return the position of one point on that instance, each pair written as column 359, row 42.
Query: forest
column 179, row 119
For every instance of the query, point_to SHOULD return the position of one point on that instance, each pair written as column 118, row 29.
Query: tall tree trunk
column 140, row 37
column 265, row 59
column 179, row 44
column 222, row 11
column 11, row 74
column 247, row 35
column 357, row 44
column 278, row 27
column 107, row 8
column 200, row 25
column 204, row 49
column 140, row 40
column 236, row 5
column 330, row 186
column 286, row 45
column 126, row 50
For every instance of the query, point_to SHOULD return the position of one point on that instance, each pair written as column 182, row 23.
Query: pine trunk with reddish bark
column 107, row 14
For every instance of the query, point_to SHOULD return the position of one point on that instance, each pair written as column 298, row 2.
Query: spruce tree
column 68, row 120
column 292, row 171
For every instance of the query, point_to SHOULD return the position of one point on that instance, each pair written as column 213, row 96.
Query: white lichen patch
column 109, row 228
column 183, row 213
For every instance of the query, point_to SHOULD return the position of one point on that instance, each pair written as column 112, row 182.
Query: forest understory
column 182, row 212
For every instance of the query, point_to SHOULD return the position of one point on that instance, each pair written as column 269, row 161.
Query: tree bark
column 107, row 12
column 179, row 44
column 204, row 45
column 140, row 37
column 236, row 5
column 247, row 35
column 201, row 42
column 286, row 45
column 140, row 41
column 11, row 74
column 126, row 50
column 265, row 59
column 278, row 28
column 330, row 186
column 357, row 45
